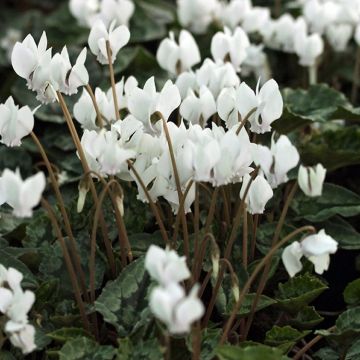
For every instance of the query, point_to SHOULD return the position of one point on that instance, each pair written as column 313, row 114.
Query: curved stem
column 211, row 212
column 151, row 203
column 112, row 79
column 267, row 268
column 254, row 274
column 180, row 211
column 96, row 107
column 68, row 263
column 93, row 239
column 247, row 117
column 309, row 345
column 178, row 187
column 77, row 142
column 245, row 239
column 64, row 214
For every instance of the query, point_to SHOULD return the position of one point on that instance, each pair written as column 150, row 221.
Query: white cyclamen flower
column 228, row 46
column 175, row 309
column 339, row 36
column 308, row 47
column 143, row 103
column 266, row 104
column 67, row 77
column 260, row 192
column 22, row 195
column 198, row 109
column 26, row 56
column 15, row 122
column 22, row 338
column 316, row 248
column 166, row 266
column 255, row 19
column 226, row 107
column 277, row 161
column 196, row 14
column 119, row 11
column 234, row 13
column 311, row 179
column 117, row 37
column 180, row 57
column 84, row 10
column 104, row 152
column 8, row 42
column 216, row 76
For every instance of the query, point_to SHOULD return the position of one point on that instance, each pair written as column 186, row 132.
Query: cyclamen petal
column 99, row 35
column 23, row 195
column 166, row 266
column 15, row 122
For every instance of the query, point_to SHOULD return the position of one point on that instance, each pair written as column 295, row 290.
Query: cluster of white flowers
column 15, row 303
column 47, row 74
column 87, row 12
column 336, row 20
column 168, row 301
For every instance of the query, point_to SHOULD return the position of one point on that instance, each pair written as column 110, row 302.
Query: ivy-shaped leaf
column 259, row 352
column 124, row 302
column 298, row 292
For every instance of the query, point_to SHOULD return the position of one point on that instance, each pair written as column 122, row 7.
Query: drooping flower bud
column 311, row 179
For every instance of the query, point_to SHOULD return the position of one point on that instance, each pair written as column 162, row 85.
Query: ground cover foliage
column 252, row 308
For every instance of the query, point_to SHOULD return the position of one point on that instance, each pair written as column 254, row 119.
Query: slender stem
column 180, row 211
column 77, row 142
column 354, row 91
column 255, row 273
column 247, row 117
column 236, row 222
column 245, row 239
column 254, row 232
column 112, row 79
column 267, row 268
column 93, row 239
column 224, row 263
column 313, row 75
column 212, row 208
column 100, row 122
column 226, row 207
column 178, row 187
column 310, row 344
column 277, row 8
column 55, row 185
column 205, row 282
column 167, row 339
column 151, row 203
column 68, row 263
column 196, row 221
column 196, row 344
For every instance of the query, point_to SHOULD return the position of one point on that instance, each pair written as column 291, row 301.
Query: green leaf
column 83, row 348
column 142, row 350
column 299, row 292
column 284, row 337
column 335, row 200
column 66, row 334
column 347, row 328
column 5, row 355
column 334, row 148
column 8, row 260
column 354, row 351
column 345, row 234
column 326, row 353
column 320, row 103
column 264, row 302
column 352, row 293
column 124, row 302
column 259, row 352
column 306, row 318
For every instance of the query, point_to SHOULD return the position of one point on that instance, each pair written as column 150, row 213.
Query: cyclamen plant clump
column 234, row 237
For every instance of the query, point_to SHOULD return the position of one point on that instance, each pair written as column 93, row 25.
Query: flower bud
column 215, row 258
column 311, row 179
column 83, row 190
